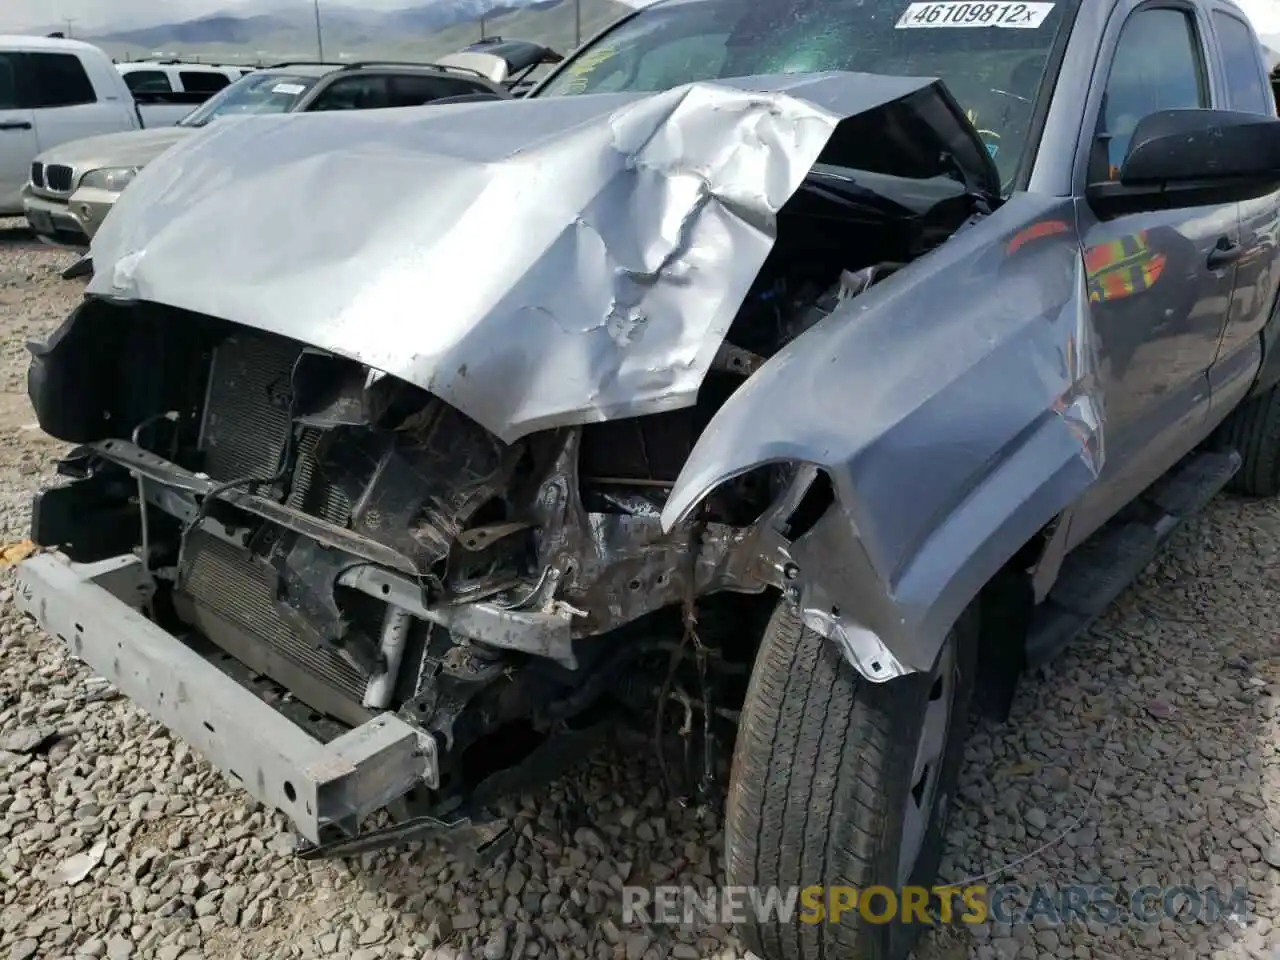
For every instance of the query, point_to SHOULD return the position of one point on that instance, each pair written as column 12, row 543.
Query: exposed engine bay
column 365, row 547
column 422, row 519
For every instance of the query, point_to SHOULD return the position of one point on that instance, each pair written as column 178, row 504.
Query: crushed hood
column 535, row 263
column 131, row 148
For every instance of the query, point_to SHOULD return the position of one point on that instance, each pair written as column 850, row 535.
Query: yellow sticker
column 581, row 68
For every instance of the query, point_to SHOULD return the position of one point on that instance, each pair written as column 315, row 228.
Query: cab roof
column 25, row 42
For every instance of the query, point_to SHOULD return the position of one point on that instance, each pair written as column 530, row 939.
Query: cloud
column 1263, row 14
column 99, row 15
column 19, row 15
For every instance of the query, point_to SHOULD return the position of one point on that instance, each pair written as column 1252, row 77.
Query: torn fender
column 534, row 263
column 956, row 411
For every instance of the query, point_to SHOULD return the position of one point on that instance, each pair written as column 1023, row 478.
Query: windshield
column 991, row 55
column 256, row 93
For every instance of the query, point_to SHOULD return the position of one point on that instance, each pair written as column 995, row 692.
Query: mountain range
column 265, row 30
column 427, row 29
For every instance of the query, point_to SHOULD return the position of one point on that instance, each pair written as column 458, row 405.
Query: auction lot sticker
column 962, row 13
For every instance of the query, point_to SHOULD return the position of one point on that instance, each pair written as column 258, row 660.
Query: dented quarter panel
column 956, row 409
column 660, row 207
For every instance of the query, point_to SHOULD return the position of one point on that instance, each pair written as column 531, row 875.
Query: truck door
column 67, row 105
column 18, row 145
column 1160, row 282
column 1247, row 89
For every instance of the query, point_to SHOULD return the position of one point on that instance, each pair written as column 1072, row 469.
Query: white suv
column 176, row 86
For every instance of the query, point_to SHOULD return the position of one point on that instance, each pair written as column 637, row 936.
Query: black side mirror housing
column 1182, row 158
column 1184, row 146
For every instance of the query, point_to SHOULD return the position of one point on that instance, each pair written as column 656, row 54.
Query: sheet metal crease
column 437, row 241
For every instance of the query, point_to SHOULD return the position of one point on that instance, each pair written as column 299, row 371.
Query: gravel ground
column 1144, row 755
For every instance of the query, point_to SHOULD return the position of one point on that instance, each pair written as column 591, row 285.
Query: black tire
column 820, row 777
column 1253, row 429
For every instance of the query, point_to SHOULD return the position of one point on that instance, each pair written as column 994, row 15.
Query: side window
column 1245, row 87
column 202, row 81
column 9, row 81
column 148, row 81
column 1158, row 65
column 58, row 80
column 413, row 90
column 352, row 93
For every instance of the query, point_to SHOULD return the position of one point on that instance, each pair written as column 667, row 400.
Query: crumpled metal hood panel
column 534, row 263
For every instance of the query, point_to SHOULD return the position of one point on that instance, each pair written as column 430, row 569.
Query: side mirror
column 1186, row 158
column 1175, row 147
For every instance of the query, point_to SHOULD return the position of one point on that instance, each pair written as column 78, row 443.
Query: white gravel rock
column 1169, row 706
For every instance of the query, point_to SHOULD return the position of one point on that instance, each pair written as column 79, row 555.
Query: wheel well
column 1005, row 606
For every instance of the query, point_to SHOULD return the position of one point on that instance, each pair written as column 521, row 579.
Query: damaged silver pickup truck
column 784, row 412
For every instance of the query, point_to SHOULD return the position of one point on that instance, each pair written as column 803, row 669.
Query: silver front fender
column 954, row 408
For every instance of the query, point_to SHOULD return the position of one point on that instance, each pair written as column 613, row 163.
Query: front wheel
column 838, row 781
column 1253, row 429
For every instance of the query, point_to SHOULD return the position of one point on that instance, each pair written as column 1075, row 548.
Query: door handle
column 1225, row 253
column 16, row 125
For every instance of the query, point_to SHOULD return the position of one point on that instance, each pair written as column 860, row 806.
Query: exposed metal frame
column 388, row 576
column 92, row 608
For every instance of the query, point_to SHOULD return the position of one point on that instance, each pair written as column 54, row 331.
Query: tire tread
column 798, row 786
column 1254, row 431
column 819, row 755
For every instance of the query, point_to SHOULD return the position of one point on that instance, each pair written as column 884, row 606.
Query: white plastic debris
column 76, row 868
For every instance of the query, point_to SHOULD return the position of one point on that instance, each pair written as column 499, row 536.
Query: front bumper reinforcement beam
column 178, row 491
column 92, row 608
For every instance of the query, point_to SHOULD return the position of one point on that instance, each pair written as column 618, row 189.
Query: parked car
column 53, row 91
column 512, row 63
column 74, row 185
column 171, row 88
column 416, row 449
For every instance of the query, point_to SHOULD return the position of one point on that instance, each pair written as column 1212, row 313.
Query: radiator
column 246, row 413
column 226, row 593
column 224, row 583
column 246, row 422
